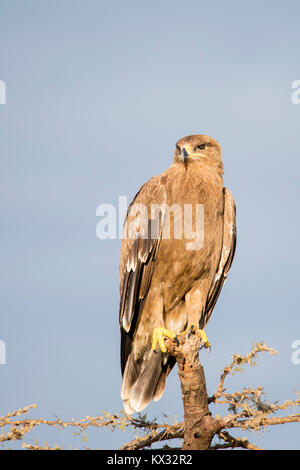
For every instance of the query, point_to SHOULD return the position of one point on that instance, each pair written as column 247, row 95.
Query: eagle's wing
column 227, row 254
column 137, row 258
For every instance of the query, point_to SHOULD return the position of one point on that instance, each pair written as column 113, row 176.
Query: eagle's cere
column 167, row 289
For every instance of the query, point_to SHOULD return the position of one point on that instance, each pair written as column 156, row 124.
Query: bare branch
column 237, row 362
column 248, row 410
column 233, row 442
column 171, row 432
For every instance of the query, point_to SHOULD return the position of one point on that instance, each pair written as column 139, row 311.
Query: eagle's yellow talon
column 204, row 339
column 158, row 338
column 192, row 328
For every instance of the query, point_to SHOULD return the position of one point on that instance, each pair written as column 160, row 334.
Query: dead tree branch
column 247, row 409
column 199, row 425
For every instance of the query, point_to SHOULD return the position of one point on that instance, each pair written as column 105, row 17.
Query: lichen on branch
column 247, row 409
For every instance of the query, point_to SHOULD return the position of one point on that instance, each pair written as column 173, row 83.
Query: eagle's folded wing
column 141, row 238
column 227, row 253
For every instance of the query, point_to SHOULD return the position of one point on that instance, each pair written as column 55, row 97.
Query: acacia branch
column 248, row 410
column 199, row 425
column 171, row 432
column 235, row 365
column 233, row 442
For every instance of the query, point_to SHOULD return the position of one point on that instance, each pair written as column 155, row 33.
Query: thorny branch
column 246, row 410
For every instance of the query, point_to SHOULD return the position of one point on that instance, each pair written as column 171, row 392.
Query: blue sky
column 97, row 95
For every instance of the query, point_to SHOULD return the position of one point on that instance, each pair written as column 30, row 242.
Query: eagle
column 169, row 281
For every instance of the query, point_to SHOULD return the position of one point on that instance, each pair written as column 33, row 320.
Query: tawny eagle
column 169, row 285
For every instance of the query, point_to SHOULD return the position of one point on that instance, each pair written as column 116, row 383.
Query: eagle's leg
column 191, row 328
column 158, row 338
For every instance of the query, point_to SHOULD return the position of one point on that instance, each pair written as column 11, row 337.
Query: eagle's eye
column 201, row 147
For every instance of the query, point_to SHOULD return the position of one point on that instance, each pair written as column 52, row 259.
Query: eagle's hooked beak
column 184, row 155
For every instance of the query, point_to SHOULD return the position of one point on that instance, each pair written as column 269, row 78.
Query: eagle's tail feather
column 143, row 380
column 160, row 387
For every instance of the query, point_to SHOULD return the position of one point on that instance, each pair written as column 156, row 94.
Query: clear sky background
column 98, row 92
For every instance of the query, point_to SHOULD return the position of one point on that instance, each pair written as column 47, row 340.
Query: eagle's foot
column 192, row 329
column 204, row 339
column 158, row 338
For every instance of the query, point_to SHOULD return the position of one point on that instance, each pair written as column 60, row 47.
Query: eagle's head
column 197, row 148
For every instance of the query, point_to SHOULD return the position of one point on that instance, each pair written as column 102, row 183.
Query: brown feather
column 162, row 283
